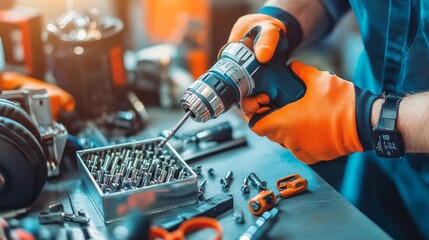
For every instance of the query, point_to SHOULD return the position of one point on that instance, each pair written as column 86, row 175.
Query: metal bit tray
column 136, row 177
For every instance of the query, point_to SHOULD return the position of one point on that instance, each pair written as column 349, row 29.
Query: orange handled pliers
column 187, row 227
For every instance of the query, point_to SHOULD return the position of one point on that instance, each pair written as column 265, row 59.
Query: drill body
column 238, row 74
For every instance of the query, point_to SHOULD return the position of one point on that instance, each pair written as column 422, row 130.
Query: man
column 336, row 117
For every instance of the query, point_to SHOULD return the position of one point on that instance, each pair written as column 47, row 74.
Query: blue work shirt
column 403, row 66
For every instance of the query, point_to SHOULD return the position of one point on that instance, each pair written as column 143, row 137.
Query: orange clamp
column 291, row 185
column 262, row 202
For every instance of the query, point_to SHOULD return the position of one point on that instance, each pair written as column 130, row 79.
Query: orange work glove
column 271, row 25
column 332, row 118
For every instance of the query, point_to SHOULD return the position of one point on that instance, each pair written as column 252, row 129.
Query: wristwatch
column 386, row 138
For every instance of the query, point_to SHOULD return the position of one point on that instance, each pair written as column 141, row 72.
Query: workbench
column 319, row 213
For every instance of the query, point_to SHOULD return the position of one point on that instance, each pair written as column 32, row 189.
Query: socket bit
column 262, row 185
column 226, row 181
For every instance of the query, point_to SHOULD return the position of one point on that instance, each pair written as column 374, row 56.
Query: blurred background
column 149, row 22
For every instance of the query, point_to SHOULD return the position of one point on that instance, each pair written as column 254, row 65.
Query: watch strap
column 389, row 111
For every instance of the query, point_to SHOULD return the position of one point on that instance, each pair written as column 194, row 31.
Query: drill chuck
column 223, row 86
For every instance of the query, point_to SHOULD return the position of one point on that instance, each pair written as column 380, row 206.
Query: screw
column 201, row 189
column 245, row 186
column 182, row 173
column 171, row 172
column 226, row 181
column 211, row 172
column 262, row 185
column 197, row 169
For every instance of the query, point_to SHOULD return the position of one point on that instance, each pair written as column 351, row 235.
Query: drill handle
column 278, row 81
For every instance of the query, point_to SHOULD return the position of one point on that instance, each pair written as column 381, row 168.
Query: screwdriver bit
column 173, row 131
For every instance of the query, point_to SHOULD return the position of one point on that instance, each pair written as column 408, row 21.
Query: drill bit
column 174, row 130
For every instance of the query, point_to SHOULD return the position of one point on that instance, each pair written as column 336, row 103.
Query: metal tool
column 226, row 181
column 238, row 74
column 60, row 217
column 287, row 186
column 218, row 133
column 83, row 224
column 261, row 226
column 175, row 129
column 261, row 185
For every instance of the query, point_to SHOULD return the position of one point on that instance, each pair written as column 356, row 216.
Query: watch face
column 388, row 143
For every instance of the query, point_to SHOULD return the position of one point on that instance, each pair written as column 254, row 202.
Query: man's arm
column 412, row 122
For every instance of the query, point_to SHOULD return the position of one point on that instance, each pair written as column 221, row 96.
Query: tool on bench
column 198, row 143
column 56, row 214
column 218, row 133
column 211, row 207
column 287, row 186
column 188, row 226
column 260, row 228
column 83, row 225
column 235, row 75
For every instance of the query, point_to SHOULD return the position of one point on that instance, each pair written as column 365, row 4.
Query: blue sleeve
column 364, row 100
column 336, row 8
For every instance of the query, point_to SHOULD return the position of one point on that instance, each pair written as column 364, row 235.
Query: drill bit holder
column 121, row 179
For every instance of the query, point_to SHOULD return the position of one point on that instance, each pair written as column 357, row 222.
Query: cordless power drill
column 235, row 75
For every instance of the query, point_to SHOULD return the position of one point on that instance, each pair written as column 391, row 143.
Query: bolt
column 211, row 172
column 171, row 172
column 162, row 176
column 245, row 186
column 182, row 173
column 201, row 189
column 262, row 185
column 107, row 162
column 197, row 169
column 226, row 181
column 255, row 206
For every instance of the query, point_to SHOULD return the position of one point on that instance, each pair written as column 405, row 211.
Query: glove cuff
column 364, row 101
column 293, row 28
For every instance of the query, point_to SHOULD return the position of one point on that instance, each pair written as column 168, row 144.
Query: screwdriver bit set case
column 121, row 179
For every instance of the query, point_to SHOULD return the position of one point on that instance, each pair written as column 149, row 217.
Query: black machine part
column 23, row 168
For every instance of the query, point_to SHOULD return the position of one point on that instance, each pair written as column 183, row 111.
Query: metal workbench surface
column 319, row 213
